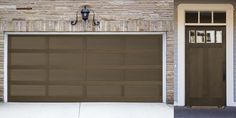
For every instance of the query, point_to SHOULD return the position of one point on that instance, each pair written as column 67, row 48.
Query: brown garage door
column 85, row 68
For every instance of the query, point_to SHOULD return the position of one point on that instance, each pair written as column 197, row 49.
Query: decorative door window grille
column 205, row 36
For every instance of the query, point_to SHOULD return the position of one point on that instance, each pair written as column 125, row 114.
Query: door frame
column 5, row 65
column 180, row 85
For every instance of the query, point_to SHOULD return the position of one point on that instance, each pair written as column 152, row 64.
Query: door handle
column 224, row 75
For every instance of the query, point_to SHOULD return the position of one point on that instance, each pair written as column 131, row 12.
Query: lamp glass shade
column 85, row 13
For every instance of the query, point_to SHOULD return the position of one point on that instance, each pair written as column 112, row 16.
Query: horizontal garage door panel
column 104, row 59
column 143, row 75
column 65, row 75
column 27, row 90
column 27, row 75
column 85, row 68
column 105, row 42
column 65, row 59
column 144, row 42
column 143, row 59
column 28, row 42
column 103, row 91
column 27, row 59
column 66, row 91
column 143, row 91
column 72, row 42
column 105, row 75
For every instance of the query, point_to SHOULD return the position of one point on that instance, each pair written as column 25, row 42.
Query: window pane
column 219, row 36
column 205, row 17
column 200, row 36
column 191, row 17
column 192, row 36
column 219, row 17
column 210, row 36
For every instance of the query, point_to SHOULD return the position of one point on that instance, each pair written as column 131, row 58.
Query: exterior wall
column 176, row 3
column 122, row 15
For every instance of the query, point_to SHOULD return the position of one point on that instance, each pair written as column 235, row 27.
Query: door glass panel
column 210, row 36
column 219, row 17
column 205, row 17
column 200, row 36
column 191, row 17
column 219, row 36
column 192, row 36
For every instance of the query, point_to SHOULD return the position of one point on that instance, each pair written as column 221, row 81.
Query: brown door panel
column 205, row 67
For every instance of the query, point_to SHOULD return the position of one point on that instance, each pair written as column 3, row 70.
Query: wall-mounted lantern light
column 85, row 15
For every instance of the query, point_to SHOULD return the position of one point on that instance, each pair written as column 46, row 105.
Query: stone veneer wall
column 115, row 15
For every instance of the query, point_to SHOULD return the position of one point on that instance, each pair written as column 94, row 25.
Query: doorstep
column 184, row 112
column 86, row 110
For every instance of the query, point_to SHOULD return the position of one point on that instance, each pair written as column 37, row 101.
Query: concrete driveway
column 182, row 112
column 86, row 110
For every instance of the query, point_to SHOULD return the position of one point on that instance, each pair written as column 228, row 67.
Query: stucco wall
column 176, row 3
column 115, row 15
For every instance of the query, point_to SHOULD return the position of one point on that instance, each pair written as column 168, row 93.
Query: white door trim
column 164, row 36
column 181, row 48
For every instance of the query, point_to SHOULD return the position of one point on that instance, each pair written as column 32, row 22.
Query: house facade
column 171, row 51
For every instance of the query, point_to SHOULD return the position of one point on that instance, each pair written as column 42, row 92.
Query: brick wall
column 115, row 15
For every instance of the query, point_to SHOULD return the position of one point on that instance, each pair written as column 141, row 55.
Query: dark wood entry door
column 126, row 68
column 205, row 66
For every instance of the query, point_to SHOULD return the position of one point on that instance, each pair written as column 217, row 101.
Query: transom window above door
column 212, row 17
column 205, row 36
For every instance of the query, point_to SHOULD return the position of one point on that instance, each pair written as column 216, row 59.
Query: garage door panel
column 105, row 42
column 27, row 90
column 65, row 42
column 27, row 75
column 66, row 59
column 142, row 59
column 104, row 59
column 143, row 75
column 103, row 91
column 66, row 91
column 104, row 75
column 144, row 42
column 28, row 42
column 143, row 91
column 66, row 75
column 28, row 59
